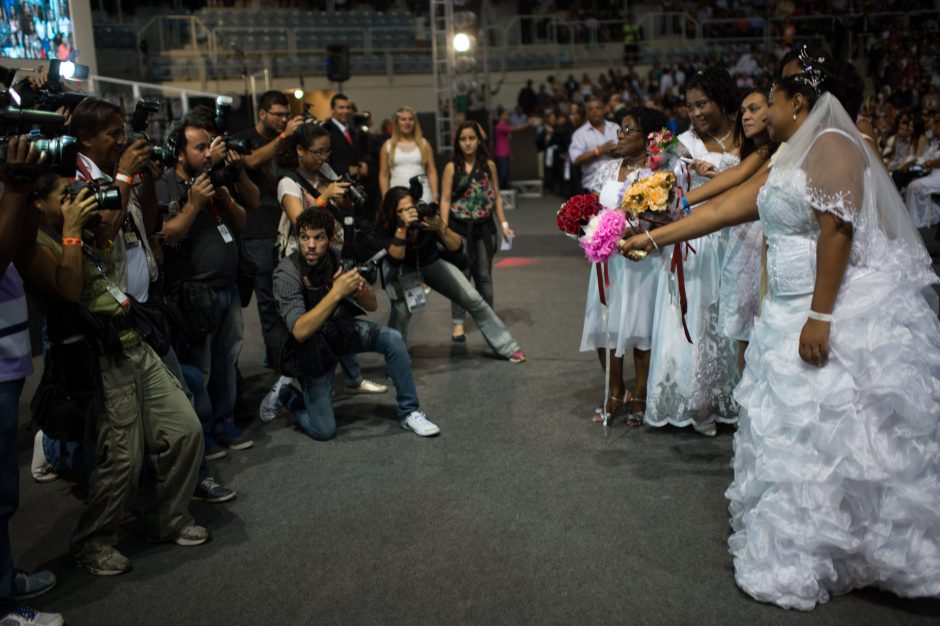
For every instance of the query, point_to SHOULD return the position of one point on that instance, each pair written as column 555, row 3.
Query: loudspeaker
column 337, row 63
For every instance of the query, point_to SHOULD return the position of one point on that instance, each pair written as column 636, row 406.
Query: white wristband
column 505, row 225
column 822, row 317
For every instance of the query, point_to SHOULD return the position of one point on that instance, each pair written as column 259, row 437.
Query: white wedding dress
column 692, row 383
column 837, row 468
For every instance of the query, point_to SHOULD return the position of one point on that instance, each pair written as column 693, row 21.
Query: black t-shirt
column 203, row 256
column 262, row 222
column 423, row 251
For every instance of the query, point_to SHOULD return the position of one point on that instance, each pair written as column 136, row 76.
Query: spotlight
column 298, row 94
column 461, row 42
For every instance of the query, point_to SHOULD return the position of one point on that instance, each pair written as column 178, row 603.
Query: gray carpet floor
column 523, row 511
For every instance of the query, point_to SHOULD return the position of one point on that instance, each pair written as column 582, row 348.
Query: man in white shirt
column 593, row 142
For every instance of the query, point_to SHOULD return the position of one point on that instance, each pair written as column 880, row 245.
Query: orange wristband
column 283, row 135
column 597, row 151
column 72, row 241
column 123, row 178
column 320, row 201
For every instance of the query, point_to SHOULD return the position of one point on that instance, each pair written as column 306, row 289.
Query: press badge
column 130, row 239
column 226, row 233
column 414, row 294
column 119, row 295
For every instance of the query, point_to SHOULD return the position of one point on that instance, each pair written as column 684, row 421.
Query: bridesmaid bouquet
column 656, row 199
column 574, row 215
column 601, row 235
column 662, row 147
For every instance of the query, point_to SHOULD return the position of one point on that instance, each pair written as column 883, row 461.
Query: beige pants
column 142, row 409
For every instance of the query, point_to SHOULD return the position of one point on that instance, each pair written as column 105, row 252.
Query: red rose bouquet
column 574, row 214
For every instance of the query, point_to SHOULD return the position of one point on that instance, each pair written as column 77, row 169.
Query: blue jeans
column 261, row 252
column 502, row 171
column 9, row 484
column 318, row 420
column 450, row 282
column 216, row 355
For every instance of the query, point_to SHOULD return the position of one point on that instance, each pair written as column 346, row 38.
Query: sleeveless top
column 405, row 165
column 95, row 282
column 477, row 199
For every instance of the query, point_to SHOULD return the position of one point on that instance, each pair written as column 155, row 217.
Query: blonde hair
column 423, row 146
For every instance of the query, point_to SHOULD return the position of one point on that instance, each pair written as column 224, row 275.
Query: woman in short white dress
column 632, row 291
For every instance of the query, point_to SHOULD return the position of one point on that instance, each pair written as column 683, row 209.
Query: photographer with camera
column 412, row 233
column 318, row 302
column 258, row 239
column 301, row 156
column 201, row 268
column 17, row 237
column 131, row 404
column 106, row 162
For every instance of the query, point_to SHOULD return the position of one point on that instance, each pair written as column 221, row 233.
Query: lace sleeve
column 835, row 171
column 605, row 172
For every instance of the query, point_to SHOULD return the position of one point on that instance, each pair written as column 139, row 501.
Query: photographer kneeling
column 317, row 300
column 136, row 405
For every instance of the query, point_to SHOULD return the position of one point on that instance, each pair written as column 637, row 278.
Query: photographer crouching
column 318, row 301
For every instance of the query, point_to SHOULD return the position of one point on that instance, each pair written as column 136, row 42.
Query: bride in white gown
column 837, row 454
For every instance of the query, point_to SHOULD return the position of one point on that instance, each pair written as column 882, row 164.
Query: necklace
column 720, row 142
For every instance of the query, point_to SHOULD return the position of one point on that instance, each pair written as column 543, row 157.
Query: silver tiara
column 812, row 69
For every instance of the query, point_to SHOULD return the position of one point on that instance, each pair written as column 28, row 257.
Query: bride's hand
column 814, row 342
column 635, row 248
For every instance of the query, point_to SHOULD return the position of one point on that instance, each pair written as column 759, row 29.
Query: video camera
column 426, row 210
column 222, row 121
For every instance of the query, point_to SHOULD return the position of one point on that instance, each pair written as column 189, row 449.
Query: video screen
column 36, row 29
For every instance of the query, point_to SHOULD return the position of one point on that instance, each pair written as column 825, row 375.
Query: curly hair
column 716, row 83
column 315, row 218
column 649, row 120
column 303, row 136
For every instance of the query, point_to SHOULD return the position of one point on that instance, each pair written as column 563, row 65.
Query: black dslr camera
column 108, row 198
column 355, row 192
column 222, row 122
column 139, row 122
column 369, row 269
column 426, row 210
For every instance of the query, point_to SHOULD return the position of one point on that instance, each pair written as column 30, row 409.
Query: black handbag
column 70, row 381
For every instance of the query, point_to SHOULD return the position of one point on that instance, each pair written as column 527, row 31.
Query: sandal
column 635, row 416
column 600, row 413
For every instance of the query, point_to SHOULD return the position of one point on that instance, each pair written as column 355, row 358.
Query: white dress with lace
column 837, row 468
column 632, row 285
column 692, row 383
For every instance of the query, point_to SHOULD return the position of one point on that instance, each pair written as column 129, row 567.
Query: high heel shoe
column 636, row 410
column 614, row 407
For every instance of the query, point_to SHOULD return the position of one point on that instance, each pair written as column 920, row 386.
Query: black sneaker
column 210, row 491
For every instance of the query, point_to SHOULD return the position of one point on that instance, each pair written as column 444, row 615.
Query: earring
column 794, row 116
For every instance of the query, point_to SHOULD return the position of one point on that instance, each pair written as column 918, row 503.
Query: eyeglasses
column 320, row 154
column 623, row 132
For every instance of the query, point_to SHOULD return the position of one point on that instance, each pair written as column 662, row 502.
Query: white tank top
column 405, row 165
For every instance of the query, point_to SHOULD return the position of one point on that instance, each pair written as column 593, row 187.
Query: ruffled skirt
column 837, row 469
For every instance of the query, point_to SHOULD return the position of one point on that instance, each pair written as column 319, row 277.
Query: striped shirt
column 16, row 359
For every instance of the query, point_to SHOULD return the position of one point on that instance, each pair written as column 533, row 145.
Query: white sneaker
column 272, row 402
column 41, row 468
column 418, row 423
column 25, row 616
column 709, row 429
column 367, row 386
